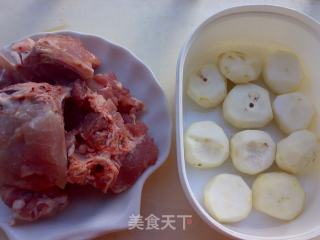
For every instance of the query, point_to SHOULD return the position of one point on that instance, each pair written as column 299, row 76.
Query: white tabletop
column 155, row 31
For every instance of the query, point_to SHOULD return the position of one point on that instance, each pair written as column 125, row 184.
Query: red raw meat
column 97, row 170
column 28, row 206
column 108, row 86
column 8, row 73
column 134, row 163
column 32, row 142
column 85, row 134
column 137, row 160
column 99, row 134
column 56, row 59
column 101, row 126
column 102, row 143
column 23, row 47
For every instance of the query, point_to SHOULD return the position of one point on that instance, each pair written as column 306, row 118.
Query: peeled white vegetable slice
column 279, row 195
column 292, row 112
column 206, row 145
column 282, row 72
column 228, row 198
column 247, row 106
column 252, row 151
column 239, row 67
column 208, row 88
column 297, row 152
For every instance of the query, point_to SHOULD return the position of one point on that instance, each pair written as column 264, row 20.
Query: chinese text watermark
column 153, row 222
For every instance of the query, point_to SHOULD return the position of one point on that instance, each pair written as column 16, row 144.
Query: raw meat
column 22, row 49
column 8, row 73
column 108, row 86
column 97, row 170
column 99, row 133
column 105, row 152
column 134, row 163
column 32, row 143
column 56, row 59
column 100, row 126
column 28, row 206
column 62, row 124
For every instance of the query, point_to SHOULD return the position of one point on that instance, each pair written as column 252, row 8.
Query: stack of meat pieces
column 60, row 124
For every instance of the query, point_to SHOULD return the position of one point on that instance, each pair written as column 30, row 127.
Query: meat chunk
column 32, row 142
column 108, row 86
column 101, row 126
column 23, row 48
column 28, row 206
column 97, row 170
column 56, row 59
column 60, row 123
column 99, row 134
column 8, row 73
column 134, row 163
column 103, row 150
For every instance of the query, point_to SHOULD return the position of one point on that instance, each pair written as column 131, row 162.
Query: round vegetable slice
column 206, row 145
column 282, row 72
column 292, row 111
column 228, row 198
column 279, row 195
column 239, row 67
column 252, row 151
column 296, row 152
column 208, row 88
column 247, row 106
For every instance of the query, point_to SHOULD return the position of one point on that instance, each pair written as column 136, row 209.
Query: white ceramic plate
column 261, row 27
column 90, row 213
